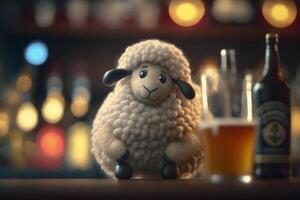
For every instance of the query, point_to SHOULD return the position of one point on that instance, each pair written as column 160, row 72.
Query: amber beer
column 229, row 145
column 272, row 98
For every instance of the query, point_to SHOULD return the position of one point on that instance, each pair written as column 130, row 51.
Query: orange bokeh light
column 51, row 142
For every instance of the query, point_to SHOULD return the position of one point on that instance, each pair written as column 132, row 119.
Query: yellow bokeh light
column 53, row 108
column 295, row 120
column 279, row 13
column 4, row 123
column 78, row 153
column 56, row 94
column 24, row 83
column 186, row 12
column 27, row 117
column 210, row 70
column 79, row 106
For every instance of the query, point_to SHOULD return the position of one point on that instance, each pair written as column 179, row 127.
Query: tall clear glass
column 227, row 126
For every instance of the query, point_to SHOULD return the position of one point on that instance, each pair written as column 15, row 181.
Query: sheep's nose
column 150, row 90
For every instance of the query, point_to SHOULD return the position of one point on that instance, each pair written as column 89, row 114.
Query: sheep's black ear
column 114, row 75
column 186, row 89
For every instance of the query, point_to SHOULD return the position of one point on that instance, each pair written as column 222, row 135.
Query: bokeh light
column 4, row 123
column 295, row 119
column 24, row 83
column 12, row 96
column 79, row 106
column 210, row 75
column 53, row 107
column 78, row 153
column 279, row 13
column 36, row 53
column 186, row 12
column 247, row 179
column 228, row 11
column 77, row 12
column 51, row 142
column 45, row 12
column 27, row 117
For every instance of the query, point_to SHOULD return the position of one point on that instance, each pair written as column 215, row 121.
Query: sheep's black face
column 151, row 84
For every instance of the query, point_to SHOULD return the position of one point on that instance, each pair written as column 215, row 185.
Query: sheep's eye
column 162, row 78
column 143, row 73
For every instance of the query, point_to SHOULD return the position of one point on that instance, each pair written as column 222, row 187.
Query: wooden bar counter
column 146, row 189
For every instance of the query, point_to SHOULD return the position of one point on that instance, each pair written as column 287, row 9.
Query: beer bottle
column 272, row 99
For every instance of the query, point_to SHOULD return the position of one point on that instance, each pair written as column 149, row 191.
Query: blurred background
column 53, row 54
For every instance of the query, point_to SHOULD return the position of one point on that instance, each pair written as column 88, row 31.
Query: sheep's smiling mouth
column 150, row 90
column 149, row 94
column 148, row 97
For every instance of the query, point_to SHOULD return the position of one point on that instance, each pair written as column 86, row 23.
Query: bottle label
column 273, row 132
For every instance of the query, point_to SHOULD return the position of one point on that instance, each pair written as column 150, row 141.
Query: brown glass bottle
column 272, row 99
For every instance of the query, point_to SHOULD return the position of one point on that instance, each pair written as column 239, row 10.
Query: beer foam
column 214, row 124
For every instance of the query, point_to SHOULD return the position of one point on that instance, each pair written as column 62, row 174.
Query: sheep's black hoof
column 169, row 171
column 123, row 171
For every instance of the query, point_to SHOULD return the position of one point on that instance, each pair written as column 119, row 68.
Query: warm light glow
column 228, row 11
column 248, row 82
column 79, row 106
column 212, row 74
column 4, row 123
column 53, row 107
column 295, row 112
column 186, row 12
column 27, row 117
column 24, row 83
column 51, row 142
column 246, row 179
column 205, row 107
column 280, row 13
column 78, row 154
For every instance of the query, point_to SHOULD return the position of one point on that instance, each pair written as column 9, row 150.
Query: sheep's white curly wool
column 147, row 130
column 157, row 52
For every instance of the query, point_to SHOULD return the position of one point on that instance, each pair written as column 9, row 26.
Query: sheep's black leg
column 122, row 169
column 169, row 169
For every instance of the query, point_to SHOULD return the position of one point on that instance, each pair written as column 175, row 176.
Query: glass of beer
column 227, row 128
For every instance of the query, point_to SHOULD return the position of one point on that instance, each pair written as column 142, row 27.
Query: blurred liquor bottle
column 50, row 139
column 78, row 156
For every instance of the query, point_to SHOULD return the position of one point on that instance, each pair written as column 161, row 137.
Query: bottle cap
column 271, row 37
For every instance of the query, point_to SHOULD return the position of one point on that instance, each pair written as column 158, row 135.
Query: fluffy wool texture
column 157, row 52
column 147, row 130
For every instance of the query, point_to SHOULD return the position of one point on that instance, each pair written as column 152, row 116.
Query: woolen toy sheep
column 147, row 125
